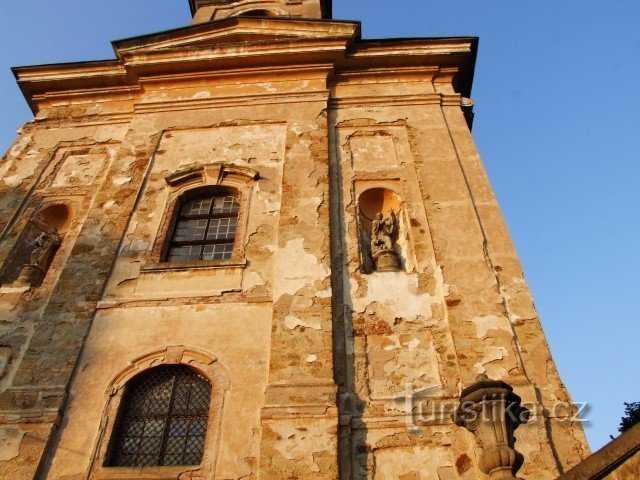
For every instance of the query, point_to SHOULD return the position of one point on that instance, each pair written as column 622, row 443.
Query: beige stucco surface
column 237, row 336
column 312, row 356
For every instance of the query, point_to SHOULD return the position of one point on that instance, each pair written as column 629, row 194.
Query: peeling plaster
column 121, row 181
column 202, row 95
column 492, row 354
column 293, row 322
column 491, row 322
column 251, row 280
column 268, row 87
column 301, row 443
column 397, row 291
column 409, row 463
column 297, row 269
column 313, row 201
column 413, row 344
column 14, row 180
column 395, row 361
column 10, row 441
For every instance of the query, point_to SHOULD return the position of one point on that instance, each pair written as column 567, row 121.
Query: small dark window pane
column 199, row 206
column 190, row 230
column 222, row 229
column 205, row 229
column 187, row 253
column 163, row 419
column 227, row 204
column 219, row 251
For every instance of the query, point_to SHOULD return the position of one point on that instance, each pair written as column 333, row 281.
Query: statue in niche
column 43, row 248
column 383, row 238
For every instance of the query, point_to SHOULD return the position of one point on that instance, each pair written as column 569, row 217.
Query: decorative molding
column 188, row 266
column 237, row 101
column 173, row 355
column 92, row 120
column 185, row 175
column 207, row 365
column 245, row 174
column 491, row 411
column 398, row 100
column 218, row 171
column 234, row 298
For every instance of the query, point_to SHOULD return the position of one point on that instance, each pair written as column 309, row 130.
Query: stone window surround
column 189, row 181
column 206, row 365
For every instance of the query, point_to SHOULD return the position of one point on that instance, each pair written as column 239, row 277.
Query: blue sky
column 557, row 123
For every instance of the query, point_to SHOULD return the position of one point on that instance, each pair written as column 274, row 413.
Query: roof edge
column 608, row 458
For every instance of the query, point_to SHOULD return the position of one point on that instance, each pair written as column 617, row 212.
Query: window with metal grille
column 162, row 419
column 205, row 229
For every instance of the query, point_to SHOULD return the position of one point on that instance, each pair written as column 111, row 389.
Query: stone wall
column 320, row 366
column 458, row 308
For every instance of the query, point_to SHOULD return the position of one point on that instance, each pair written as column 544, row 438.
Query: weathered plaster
column 317, row 351
column 10, row 441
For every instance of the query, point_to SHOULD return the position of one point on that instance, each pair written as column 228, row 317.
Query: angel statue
column 44, row 248
column 383, row 235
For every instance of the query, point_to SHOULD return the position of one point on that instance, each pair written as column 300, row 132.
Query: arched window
column 205, row 229
column 162, row 420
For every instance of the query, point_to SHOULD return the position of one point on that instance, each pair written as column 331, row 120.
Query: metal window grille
column 163, row 419
column 205, row 230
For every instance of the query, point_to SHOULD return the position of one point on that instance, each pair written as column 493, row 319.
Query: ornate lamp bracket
column 491, row 411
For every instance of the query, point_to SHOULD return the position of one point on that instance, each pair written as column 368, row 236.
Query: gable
column 245, row 30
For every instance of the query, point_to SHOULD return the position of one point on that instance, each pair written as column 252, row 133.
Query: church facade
column 261, row 247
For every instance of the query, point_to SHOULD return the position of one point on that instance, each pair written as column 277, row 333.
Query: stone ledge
column 24, row 417
column 151, row 473
column 198, row 265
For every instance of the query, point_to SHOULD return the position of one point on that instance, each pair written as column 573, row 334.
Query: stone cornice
column 398, row 100
column 458, row 53
column 226, row 102
column 231, row 57
column 240, row 29
column 220, row 47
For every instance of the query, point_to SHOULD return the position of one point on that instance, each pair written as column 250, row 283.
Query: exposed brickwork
column 322, row 367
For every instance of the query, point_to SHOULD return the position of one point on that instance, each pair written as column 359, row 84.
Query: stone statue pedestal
column 29, row 275
column 14, row 288
column 387, row 261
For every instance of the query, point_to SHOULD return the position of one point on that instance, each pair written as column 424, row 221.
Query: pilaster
column 299, row 420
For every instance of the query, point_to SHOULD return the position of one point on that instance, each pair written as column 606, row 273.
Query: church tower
column 207, row 10
column 262, row 247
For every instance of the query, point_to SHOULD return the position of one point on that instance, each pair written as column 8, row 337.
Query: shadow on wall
column 36, row 247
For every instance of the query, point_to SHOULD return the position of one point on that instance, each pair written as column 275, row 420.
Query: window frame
column 177, row 200
column 202, row 363
column 185, row 199
column 126, row 403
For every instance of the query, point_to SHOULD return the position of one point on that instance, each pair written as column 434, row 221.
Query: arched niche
column 36, row 247
column 377, row 200
column 57, row 215
column 379, row 207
